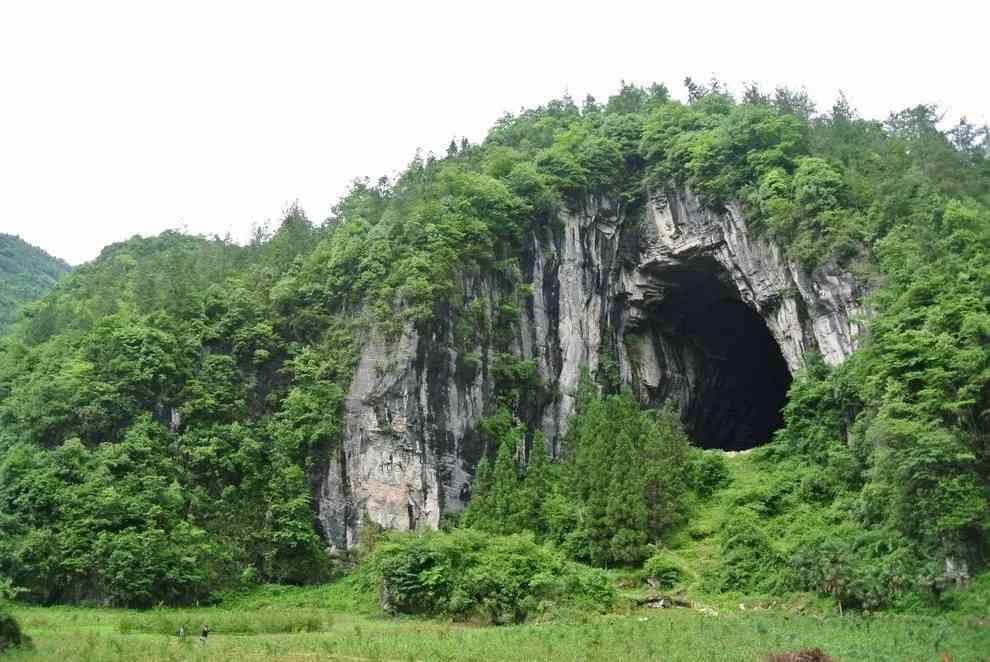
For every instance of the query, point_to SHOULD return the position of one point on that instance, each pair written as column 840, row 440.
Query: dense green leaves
column 618, row 489
column 627, row 470
column 11, row 635
column 900, row 430
column 158, row 454
column 467, row 574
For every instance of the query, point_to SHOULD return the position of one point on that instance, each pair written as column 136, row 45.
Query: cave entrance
column 729, row 376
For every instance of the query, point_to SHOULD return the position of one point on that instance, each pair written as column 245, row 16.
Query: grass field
column 308, row 633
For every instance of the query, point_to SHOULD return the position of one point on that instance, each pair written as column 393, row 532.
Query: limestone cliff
column 690, row 306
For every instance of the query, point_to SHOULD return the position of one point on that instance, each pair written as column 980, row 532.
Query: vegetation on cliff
column 162, row 410
column 618, row 488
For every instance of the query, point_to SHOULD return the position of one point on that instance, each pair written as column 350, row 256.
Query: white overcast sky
column 135, row 117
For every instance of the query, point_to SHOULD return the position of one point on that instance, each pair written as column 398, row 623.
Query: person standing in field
column 204, row 633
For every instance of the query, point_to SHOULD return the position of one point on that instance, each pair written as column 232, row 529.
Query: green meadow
column 295, row 627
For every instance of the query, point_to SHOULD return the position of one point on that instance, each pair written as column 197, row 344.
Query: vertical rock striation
column 688, row 303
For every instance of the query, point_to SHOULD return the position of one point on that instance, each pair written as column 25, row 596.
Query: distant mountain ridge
column 27, row 273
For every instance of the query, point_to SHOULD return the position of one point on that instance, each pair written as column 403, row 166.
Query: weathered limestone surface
column 600, row 282
column 803, row 311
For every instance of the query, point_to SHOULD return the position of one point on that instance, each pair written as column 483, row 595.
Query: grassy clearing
column 284, row 632
column 697, row 542
column 696, row 546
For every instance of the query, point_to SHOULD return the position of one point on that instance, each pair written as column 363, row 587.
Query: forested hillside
column 26, row 273
column 164, row 410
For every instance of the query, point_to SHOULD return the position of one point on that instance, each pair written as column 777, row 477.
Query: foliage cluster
column 824, row 186
column 785, row 525
column 665, row 570
column 898, row 434
column 471, row 574
column 893, row 444
column 621, row 482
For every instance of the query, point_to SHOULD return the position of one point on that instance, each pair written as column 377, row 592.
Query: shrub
column 748, row 560
column 873, row 569
column 466, row 573
column 665, row 568
column 709, row 472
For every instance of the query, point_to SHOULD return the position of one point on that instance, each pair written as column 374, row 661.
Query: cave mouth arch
column 730, row 378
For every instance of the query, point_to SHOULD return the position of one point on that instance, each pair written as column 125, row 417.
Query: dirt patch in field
column 809, row 655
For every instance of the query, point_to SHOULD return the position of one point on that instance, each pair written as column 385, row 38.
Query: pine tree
column 507, row 508
column 623, row 468
column 536, row 487
column 478, row 508
column 498, row 501
column 664, row 460
column 625, row 517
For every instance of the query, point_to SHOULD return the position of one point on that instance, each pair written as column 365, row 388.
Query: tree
column 294, row 552
column 506, row 502
column 499, row 498
column 537, row 485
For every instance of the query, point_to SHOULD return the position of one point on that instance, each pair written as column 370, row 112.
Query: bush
column 469, row 574
column 665, row 568
column 873, row 569
column 972, row 600
column 748, row 559
column 709, row 472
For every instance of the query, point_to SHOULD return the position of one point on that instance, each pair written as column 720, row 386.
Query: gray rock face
column 687, row 304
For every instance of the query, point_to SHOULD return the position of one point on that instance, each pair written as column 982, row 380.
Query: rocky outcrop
column 689, row 305
column 803, row 311
column 407, row 445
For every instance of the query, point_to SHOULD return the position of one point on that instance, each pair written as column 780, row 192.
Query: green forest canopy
column 27, row 273
column 162, row 408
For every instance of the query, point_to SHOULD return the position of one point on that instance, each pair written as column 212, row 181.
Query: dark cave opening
column 738, row 377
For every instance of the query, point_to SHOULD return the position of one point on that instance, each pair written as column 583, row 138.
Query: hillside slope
column 183, row 414
column 27, row 273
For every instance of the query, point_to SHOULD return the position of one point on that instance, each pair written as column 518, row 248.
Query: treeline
column 161, row 410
